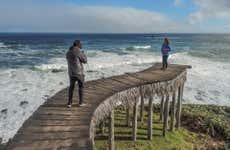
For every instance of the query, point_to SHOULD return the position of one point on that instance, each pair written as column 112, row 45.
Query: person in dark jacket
column 75, row 59
column 165, row 49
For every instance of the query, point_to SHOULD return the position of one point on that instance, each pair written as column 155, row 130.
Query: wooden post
column 127, row 116
column 162, row 108
column 135, row 121
column 92, row 144
column 179, row 101
column 142, row 106
column 111, row 131
column 102, row 127
column 166, row 114
column 173, row 111
column 150, row 118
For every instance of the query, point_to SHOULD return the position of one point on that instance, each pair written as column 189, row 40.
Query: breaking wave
column 2, row 45
column 133, row 48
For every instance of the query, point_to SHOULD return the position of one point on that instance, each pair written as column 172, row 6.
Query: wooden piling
column 179, row 102
column 166, row 114
column 128, row 116
column 111, row 131
column 142, row 106
column 173, row 112
column 135, row 121
column 102, row 127
column 150, row 118
column 162, row 108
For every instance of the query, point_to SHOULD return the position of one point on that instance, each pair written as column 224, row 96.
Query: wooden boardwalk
column 53, row 126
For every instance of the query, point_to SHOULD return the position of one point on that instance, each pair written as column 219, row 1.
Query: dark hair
column 166, row 41
column 76, row 42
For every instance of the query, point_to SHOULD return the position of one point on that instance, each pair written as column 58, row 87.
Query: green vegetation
column 193, row 134
column 210, row 119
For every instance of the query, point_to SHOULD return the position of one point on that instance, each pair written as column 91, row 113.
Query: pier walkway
column 53, row 126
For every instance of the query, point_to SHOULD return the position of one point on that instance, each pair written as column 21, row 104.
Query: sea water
column 33, row 67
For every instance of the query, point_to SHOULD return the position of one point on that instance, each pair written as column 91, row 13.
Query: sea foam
column 138, row 47
column 2, row 45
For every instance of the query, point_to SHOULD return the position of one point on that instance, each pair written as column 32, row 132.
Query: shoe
column 83, row 104
column 69, row 105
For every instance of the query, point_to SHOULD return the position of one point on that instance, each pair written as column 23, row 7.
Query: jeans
column 80, row 89
column 165, row 61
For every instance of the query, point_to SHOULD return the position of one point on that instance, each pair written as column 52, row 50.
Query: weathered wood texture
column 179, row 103
column 162, row 108
column 53, row 126
column 102, row 127
column 128, row 116
column 166, row 114
column 142, row 106
column 111, row 131
column 134, row 124
column 173, row 112
column 150, row 118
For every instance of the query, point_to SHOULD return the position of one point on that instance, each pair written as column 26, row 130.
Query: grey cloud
column 40, row 16
column 31, row 17
column 210, row 9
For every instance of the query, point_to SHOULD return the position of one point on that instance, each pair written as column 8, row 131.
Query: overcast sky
column 110, row 16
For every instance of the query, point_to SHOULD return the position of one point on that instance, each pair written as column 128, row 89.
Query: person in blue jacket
column 165, row 50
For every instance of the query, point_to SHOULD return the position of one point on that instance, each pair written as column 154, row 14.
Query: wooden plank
column 29, row 138
column 107, row 87
column 42, row 123
column 128, row 81
column 135, row 76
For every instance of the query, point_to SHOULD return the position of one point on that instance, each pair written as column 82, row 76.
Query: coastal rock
column 200, row 95
column 4, row 111
column 91, row 71
column 215, row 92
column 45, row 97
column 24, row 90
column 24, row 103
column 56, row 70
column 52, row 90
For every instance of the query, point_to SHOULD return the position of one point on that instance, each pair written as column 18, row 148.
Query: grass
column 181, row 139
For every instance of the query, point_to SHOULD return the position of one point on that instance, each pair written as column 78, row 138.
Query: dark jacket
column 75, row 58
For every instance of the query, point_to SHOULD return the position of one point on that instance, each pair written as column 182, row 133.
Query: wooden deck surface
column 53, row 126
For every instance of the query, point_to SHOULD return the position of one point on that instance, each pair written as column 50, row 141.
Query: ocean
column 33, row 67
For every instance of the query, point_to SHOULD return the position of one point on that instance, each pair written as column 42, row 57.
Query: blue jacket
column 165, row 53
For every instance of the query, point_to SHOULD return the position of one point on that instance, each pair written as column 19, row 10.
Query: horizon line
column 113, row 33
